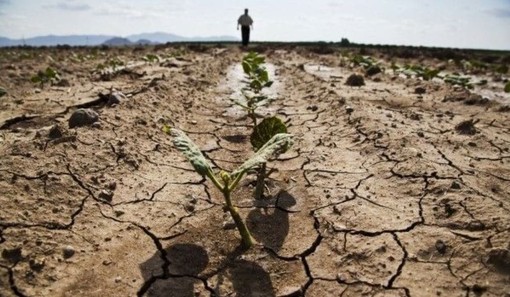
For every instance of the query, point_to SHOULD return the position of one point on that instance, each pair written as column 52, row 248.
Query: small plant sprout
column 455, row 79
column 114, row 64
column 258, row 79
column 48, row 76
column 420, row 71
column 507, row 87
column 151, row 58
column 262, row 133
column 228, row 182
column 363, row 61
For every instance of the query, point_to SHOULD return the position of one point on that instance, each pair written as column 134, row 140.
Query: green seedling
column 420, row 71
column 228, row 182
column 502, row 69
column 3, row 92
column 455, row 79
column 474, row 65
column 78, row 58
column 48, row 76
column 363, row 61
column 256, row 72
column 507, row 87
column 151, row 58
column 114, row 64
column 257, row 80
column 261, row 134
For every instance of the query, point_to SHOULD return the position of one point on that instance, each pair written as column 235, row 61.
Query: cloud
column 67, row 6
column 128, row 11
column 5, row 2
column 500, row 12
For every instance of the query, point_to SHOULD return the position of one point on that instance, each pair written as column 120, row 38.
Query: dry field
column 398, row 187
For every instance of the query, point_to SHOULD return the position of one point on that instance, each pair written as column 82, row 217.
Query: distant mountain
column 162, row 37
column 117, row 41
column 158, row 37
column 52, row 40
column 74, row 40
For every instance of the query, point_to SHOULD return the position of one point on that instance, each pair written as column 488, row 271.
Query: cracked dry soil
column 380, row 195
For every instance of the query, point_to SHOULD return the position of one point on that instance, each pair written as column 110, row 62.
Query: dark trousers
column 245, row 32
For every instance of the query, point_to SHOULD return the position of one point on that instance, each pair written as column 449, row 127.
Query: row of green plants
column 372, row 67
column 411, row 70
column 269, row 138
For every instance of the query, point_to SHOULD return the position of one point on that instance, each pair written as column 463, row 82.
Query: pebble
column 37, row 264
column 55, row 132
column 68, row 252
column 420, row 90
column 63, row 83
column 115, row 98
column 106, row 195
column 455, row 185
column 13, row 255
column 118, row 279
column 190, row 207
column 229, row 225
column 83, row 117
column 440, row 246
column 476, row 226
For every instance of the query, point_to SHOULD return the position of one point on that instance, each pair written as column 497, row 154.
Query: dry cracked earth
column 385, row 192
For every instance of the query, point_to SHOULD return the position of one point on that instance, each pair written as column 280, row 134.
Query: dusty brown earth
column 382, row 194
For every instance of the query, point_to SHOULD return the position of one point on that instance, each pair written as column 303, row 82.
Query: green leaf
column 256, row 85
column 264, row 76
column 36, row 79
column 3, row 92
column 502, row 69
column 246, row 67
column 151, row 58
column 507, row 87
column 50, row 73
column 191, row 152
column 277, row 145
column 265, row 130
column 258, row 59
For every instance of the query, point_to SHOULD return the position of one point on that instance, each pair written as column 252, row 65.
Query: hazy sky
column 447, row 23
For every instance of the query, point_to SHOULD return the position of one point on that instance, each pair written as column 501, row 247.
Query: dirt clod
column 12, row 255
column 55, row 132
column 37, row 264
column 466, row 127
column 115, row 98
column 106, row 195
column 355, row 80
column 475, row 226
column 500, row 259
column 420, row 90
column 83, row 117
column 373, row 70
column 441, row 246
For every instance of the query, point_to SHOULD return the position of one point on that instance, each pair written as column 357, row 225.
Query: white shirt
column 245, row 20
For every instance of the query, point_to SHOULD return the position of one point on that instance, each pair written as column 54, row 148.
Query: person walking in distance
column 246, row 22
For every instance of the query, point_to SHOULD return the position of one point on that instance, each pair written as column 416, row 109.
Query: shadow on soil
column 187, row 261
column 270, row 226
